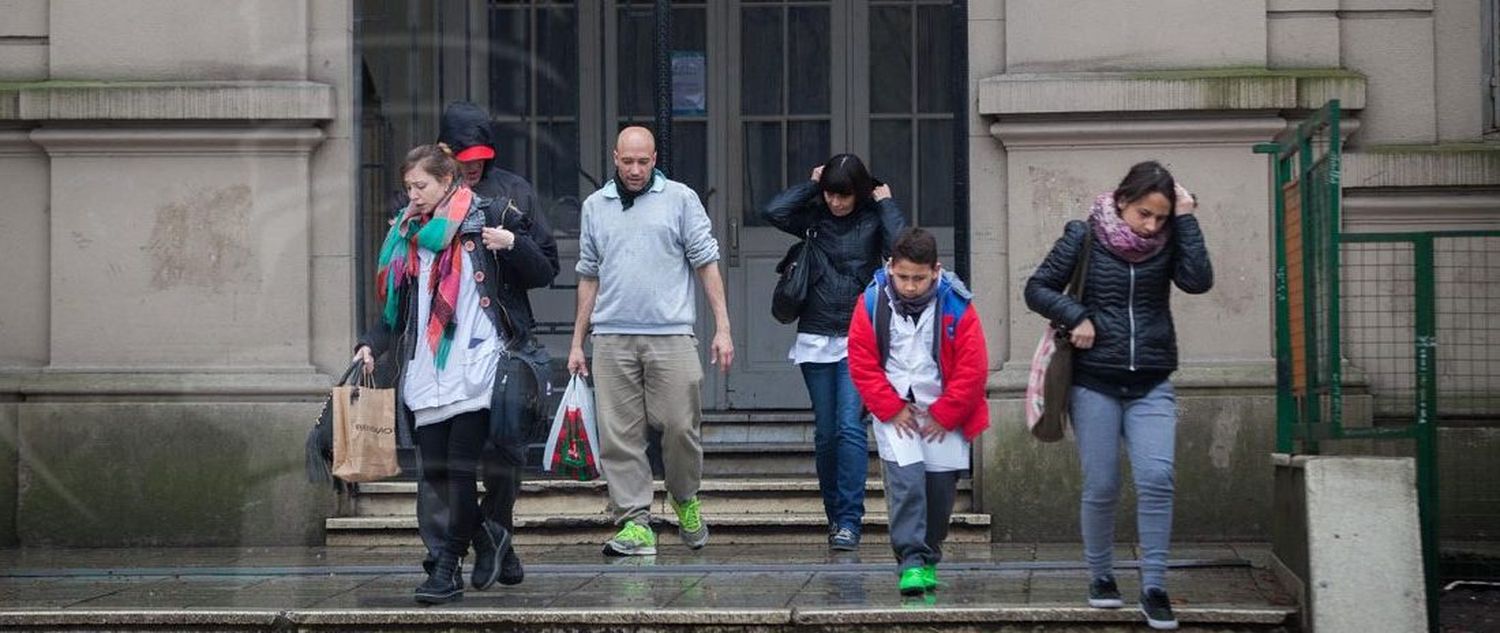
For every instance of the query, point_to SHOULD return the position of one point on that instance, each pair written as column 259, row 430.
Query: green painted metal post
column 1312, row 239
column 1285, row 406
column 1426, row 418
column 1334, row 192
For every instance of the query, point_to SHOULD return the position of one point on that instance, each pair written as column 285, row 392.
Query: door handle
column 734, row 242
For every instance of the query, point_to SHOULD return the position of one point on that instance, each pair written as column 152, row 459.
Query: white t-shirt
column 913, row 372
column 818, row 348
column 467, row 381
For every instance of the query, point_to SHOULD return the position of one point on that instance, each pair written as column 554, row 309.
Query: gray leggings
column 1148, row 427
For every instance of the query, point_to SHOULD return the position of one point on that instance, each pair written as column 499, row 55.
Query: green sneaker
column 633, row 539
column 929, row 576
column 690, row 522
column 913, row 581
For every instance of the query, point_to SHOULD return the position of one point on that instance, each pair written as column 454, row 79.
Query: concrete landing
column 574, row 588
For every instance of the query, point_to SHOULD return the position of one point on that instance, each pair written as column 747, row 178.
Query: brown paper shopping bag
column 364, row 432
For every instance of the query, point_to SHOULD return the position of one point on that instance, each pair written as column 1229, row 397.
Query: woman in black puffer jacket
column 1144, row 240
column 852, row 221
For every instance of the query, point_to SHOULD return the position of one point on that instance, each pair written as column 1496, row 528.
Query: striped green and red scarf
column 399, row 263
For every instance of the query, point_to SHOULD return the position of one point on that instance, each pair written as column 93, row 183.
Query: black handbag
column 1058, row 375
column 318, row 461
column 798, row 271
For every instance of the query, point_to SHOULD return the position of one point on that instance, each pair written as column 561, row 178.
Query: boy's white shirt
column 912, row 369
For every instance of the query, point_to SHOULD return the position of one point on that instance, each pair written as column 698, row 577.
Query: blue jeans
column 839, row 442
column 1148, row 427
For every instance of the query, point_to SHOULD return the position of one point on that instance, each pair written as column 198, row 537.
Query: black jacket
column 504, row 277
column 854, row 246
column 465, row 125
column 1135, row 341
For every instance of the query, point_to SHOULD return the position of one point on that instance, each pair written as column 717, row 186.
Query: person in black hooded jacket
column 851, row 221
column 467, row 130
column 1145, row 239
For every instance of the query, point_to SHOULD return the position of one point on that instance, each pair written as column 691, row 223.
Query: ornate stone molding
column 48, row 384
column 1168, row 91
column 167, row 101
column 261, row 141
column 1156, row 108
column 1468, row 165
column 1033, row 133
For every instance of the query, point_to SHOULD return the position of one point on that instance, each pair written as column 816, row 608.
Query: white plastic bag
column 565, row 450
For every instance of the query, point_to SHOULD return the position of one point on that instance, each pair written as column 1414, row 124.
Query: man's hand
column 883, row 192
column 498, row 239
column 1082, row 336
column 906, row 422
column 363, row 354
column 722, row 351
column 578, row 364
column 817, row 173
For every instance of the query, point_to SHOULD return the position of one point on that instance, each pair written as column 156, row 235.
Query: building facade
column 194, row 193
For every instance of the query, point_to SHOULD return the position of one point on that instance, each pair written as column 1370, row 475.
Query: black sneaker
column 1157, row 608
column 1104, row 593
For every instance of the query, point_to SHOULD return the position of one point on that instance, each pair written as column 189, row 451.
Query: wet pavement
column 750, row 578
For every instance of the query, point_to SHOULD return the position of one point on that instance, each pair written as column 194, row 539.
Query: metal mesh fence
column 1379, row 325
column 1467, row 274
column 1388, row 283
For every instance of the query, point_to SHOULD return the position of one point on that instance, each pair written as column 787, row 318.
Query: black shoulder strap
column 1081, row 266
column 882, row 324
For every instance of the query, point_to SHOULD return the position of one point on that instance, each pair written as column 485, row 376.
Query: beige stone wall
column 179, row 182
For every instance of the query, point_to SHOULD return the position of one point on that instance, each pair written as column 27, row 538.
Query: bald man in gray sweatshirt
column 643, row 237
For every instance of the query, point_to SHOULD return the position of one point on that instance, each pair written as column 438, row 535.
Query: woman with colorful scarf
column 1145, row 239
column 452, row 277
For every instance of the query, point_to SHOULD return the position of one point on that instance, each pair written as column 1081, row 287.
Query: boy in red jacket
column 917, row 357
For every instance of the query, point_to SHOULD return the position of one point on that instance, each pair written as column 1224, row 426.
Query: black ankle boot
column 445, row 583
column 511, row 571
column 491, row 541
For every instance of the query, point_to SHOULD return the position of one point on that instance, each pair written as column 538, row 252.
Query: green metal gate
column 1410, row 311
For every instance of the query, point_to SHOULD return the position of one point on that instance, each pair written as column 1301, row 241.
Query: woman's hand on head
column 817, row 173
column 1082, row 336
column 881, row 193
column 1187, row 203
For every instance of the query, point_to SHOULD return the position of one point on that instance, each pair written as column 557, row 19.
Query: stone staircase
column 760, row 486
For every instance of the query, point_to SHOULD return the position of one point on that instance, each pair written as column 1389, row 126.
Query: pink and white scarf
column 1112, row 231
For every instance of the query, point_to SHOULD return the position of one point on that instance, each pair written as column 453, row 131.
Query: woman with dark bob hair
column 851, row 220
column 1145, row 238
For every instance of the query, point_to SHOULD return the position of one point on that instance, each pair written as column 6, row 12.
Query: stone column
column 183, row 228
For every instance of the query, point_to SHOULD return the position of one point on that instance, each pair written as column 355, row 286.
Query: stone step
column 475, row 614
column 769, row 459
column 725, row 496
column 596, row 528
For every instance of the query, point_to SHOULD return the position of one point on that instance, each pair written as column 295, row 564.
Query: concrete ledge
column 294, row 141
column 170, row 101
column 53, row 385
column 1189, row 90
column 1034, row 132
column 1468, row 165
column 1388, row 210
column 747, row 520
column 1348, row 529
column 571, row 619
